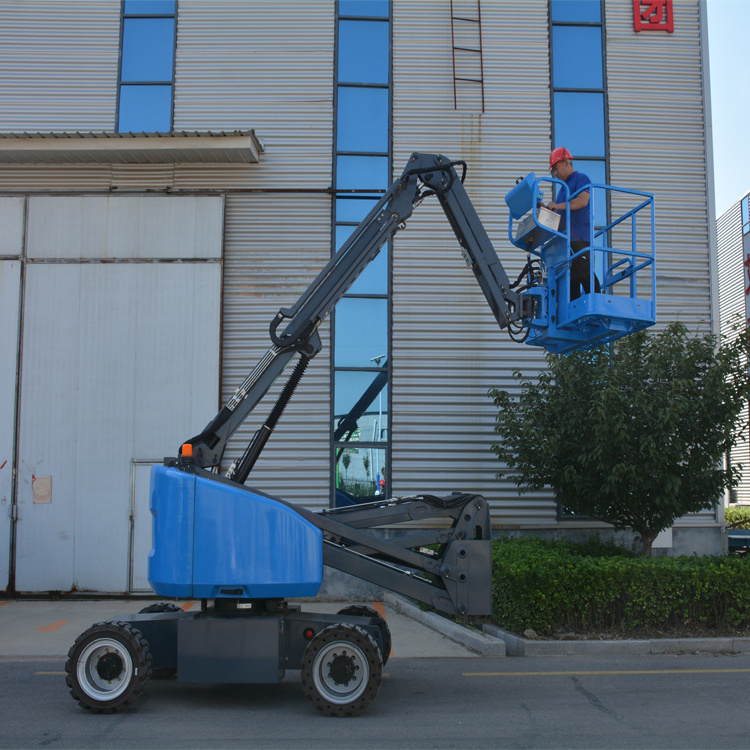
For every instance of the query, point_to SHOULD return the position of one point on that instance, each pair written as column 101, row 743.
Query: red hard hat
column 559, row 154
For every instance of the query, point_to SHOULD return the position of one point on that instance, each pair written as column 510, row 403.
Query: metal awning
column 236, row 147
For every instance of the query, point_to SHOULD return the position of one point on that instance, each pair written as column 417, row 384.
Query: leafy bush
column 634, row 434
column 553, row 586
column 738, row 514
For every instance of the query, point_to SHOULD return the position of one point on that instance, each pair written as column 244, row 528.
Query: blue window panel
column 577, row 57
column 363, row 7
column 145, row 109
column 150, row 7
column 147, row 49
column 353, row 208
column 349, row 389
column 597, row 173
column 576, row 11
column 363, row 52
column 361, row 331
column 579, row 123
column 362, row 119
column 745, row 211
column 362, row 172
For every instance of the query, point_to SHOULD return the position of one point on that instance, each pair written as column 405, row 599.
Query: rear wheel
column 362, row 610
column 341, row 670
column 108, row 666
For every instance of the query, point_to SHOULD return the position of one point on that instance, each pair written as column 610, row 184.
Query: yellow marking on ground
column 605, row 672
column 55, row 673
column 2, row 604
column 187, row 605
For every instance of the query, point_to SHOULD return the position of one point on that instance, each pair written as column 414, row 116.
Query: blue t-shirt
column 580, row 220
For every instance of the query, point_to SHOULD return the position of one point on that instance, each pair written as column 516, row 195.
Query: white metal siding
column 447, row 349
column 732, row 283
column 119, row 227
column 274, row 249
column 657, row 143
column 10, row 288
column 120, row 365
column 58, row 65
column 260, row 65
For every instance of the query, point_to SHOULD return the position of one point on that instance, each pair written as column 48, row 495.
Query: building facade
column 174, row 172
column 733, row 245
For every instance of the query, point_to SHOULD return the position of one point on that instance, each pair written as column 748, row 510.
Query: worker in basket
column 561, row 166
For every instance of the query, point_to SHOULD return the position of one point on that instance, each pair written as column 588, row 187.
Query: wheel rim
column 104, row 669
column 341, row 672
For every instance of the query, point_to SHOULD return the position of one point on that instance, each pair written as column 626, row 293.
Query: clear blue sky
column 729, row 61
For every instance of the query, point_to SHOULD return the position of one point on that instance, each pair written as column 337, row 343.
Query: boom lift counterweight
column 244, row 553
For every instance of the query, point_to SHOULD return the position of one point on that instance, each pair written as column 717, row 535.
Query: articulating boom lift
column 244, row 553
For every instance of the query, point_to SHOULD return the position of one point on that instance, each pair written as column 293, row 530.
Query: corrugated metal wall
column 58, row 65
column 242, row 65
column 447, row 349
column 732, row 283
column 657, row 143
column 251, row 64
column 274, row 247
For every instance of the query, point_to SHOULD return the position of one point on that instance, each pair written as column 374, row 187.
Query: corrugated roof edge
column 238, row 146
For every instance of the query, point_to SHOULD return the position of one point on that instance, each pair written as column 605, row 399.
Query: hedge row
column 554, row 586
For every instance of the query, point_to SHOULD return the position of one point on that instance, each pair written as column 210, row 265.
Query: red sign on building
column 653, row 15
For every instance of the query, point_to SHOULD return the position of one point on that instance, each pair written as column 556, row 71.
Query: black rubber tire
column 362, row 610
column 342, row 670
column 160, row 607
column 108, row 667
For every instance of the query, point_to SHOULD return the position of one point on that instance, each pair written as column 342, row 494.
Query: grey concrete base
column 485, row 644
column 518, row 646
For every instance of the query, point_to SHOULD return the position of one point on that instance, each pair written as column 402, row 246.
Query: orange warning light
column 186, row 451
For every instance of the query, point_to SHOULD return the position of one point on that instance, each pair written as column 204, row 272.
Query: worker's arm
column 580, row 201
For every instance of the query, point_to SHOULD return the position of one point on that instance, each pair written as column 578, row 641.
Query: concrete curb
column 518, row 646
column 485, row 644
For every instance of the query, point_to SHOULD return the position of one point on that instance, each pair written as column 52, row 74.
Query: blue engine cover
column 213, row 540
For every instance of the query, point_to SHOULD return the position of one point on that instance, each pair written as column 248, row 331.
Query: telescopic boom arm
column 424, row 175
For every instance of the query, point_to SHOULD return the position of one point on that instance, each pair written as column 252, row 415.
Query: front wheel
column 341, row 670
column 108, row 666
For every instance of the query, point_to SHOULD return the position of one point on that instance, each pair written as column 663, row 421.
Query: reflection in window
column 362, row 119
column 579, row 122
column 361, row 406
column 370, row 8
column 361, row 331
column 361, row 474
column 363, row 52
column 362, row 172
column 745, row 216
column 582, row 70
column 147, row 66
column 576, row 11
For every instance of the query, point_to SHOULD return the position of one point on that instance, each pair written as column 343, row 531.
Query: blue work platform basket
column 621, row 262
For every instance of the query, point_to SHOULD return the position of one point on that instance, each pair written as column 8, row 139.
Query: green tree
column 634, row 434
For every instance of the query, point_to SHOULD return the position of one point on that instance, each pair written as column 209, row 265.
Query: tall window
column 745, row 215
column 146, row 84
column 579, row 100
column 361, row 330
column 579, row 97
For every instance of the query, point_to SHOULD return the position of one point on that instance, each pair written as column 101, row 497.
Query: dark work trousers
column 580, row 271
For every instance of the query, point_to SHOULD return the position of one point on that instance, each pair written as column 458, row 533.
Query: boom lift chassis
column 244, row 553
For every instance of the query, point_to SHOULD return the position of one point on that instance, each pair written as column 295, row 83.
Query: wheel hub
column 109, row 666
column 342, row 668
